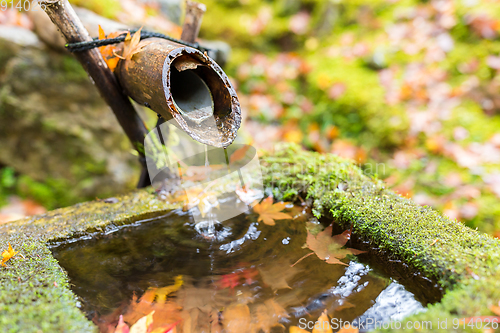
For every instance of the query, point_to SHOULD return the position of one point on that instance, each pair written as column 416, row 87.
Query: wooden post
column 64, row 17
column 192, row 21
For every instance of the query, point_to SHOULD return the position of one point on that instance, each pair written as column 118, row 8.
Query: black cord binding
column 83, row 46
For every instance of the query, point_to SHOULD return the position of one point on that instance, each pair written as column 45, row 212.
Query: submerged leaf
column 328, row 247
column 276, row 275
column 237, row 318
column 162, row 293
column 323, row 324
column 267, row 315
column 230, row 280
column 143, row 325
column 269, row 212
column 198, row 173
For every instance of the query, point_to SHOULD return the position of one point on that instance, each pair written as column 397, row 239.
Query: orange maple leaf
column 269, row 212
column 7, row 254
column 109, row 52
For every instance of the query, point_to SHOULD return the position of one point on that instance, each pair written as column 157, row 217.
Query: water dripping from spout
column 208, row 228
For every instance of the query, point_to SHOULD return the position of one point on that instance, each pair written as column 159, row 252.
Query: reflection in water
column 394, row 303
column 246, row 263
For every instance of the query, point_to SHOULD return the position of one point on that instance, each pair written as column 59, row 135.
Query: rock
column 20, row 36
column 53, row 123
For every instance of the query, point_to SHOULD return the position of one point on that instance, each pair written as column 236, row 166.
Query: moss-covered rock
column 464, row 262
column 56, row 131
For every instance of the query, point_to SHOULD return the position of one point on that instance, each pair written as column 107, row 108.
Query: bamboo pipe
column 182, row 83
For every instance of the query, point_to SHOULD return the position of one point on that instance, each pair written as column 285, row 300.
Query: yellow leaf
column 143, row 324
column 295, row 329
column 322, row 325
column 7, row 254
column 131, row 45
column 102, row 35
column 162, row 293
column 269, row 212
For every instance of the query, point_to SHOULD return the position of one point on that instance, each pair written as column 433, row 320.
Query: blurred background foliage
column 408, row 89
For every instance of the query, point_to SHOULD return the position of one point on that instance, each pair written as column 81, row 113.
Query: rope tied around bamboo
column 177, row 80
column 96, row 42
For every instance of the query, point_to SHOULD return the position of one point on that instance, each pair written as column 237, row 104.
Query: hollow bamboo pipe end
column 182, row 83
column 200, row 97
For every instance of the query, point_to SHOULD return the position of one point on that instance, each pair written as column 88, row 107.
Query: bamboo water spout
column 183, row 83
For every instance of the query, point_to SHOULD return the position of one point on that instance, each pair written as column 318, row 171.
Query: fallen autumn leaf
column 269, row 212
column 7, row 254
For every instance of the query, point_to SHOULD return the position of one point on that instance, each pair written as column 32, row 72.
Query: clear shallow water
column 241, row 262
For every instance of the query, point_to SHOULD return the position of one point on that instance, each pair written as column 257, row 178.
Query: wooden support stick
column 64, row 17
column 192, row 21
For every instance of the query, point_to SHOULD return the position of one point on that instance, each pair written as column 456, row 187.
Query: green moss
column 466, row 263
column 34, row 292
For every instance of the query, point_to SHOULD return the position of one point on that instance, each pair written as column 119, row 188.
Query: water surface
column 240, row 262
